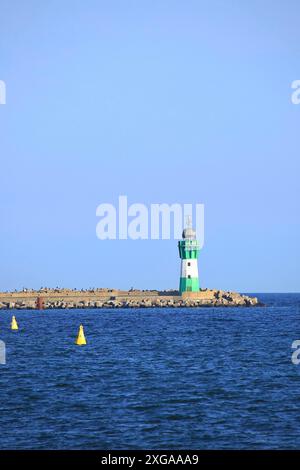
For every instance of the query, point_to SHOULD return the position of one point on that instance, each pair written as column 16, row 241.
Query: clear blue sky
column 164, row 101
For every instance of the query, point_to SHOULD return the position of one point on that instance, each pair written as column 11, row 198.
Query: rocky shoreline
column 110, row 298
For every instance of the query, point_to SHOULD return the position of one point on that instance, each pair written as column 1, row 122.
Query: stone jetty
column 112, row 298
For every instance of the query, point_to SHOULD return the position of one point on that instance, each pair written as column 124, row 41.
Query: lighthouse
column 188, row 252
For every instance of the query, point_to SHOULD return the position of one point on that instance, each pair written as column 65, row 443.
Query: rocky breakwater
column 128, row 299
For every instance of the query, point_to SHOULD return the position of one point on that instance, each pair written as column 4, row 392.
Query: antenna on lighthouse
column 188, row 221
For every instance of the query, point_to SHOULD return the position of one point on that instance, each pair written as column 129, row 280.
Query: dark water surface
column 209, row 378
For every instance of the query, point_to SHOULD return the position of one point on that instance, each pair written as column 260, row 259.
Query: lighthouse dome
column 189, row 233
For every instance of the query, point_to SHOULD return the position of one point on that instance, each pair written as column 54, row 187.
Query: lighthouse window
column 189, row 264
column 189, row 276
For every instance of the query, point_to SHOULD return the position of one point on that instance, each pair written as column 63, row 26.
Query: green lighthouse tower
column 188, row 252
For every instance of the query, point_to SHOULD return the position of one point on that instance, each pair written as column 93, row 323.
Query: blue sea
column 198, row 378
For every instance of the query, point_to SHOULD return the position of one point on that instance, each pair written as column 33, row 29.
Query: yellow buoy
column 80, row 338
column 14, row 324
